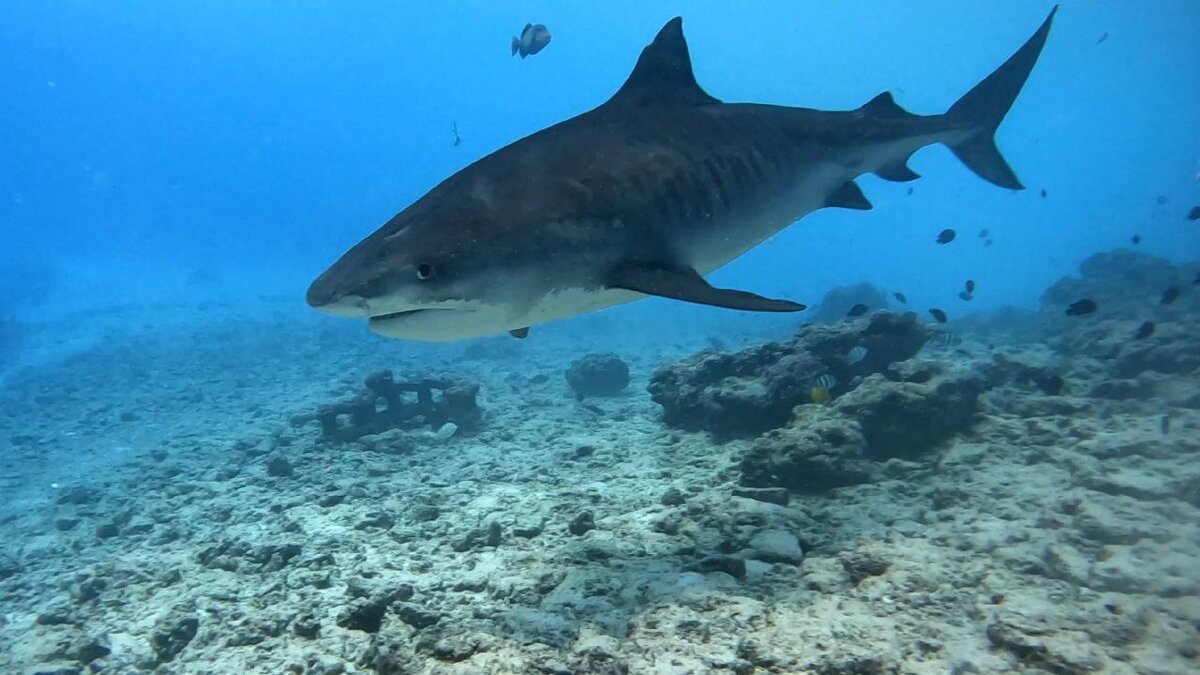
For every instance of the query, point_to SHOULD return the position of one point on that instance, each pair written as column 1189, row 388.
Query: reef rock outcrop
column 386, row 404
column 746, row 393
column 838, row 301
column 598, row 375
column 903, row 413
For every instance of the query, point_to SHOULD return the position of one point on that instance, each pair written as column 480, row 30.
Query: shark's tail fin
column 516, row 46
column 984, row 107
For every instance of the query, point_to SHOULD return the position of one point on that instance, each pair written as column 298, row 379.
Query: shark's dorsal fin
column 884, row 105
column 663, row 73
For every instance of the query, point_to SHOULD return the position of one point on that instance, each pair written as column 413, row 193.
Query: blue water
column 145, row 140
column 173, row 176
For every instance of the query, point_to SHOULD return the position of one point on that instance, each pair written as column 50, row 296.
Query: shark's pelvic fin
column 686, row 284
column 663, row 73
column 848, row 196
column 985, row 106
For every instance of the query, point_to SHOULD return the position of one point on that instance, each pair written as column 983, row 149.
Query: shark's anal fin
column 520, row 333
column 898, row 172
column 848, row 196
column 687, row 285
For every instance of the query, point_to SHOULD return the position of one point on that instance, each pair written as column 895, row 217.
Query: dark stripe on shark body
column 715, row 180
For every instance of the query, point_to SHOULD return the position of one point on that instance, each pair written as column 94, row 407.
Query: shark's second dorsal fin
column 884, row 105
column 663, row 73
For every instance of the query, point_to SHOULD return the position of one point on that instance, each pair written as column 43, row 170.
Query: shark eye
column 424, row 271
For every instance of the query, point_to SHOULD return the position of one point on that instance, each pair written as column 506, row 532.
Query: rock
column 672, row 497
column 535, row 626
column 172, row 635
column 862, row 564
column 581, row 524
column 731, row 565
column 776, row 546
column 306, row 626
column 837, row 302
column 778, row 496
column 598, row 375
column 743, row 394
column 416, row 616
column 821, row 450
column 364, row 614
column 279, row 467
column 528, row 527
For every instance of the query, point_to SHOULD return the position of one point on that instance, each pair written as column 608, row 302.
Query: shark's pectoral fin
column 520, row 333
column 848, row 196
column 686, row 284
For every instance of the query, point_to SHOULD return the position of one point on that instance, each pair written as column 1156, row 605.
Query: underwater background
column 658, row 487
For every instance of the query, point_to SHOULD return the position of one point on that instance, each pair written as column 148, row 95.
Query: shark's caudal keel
column 641, row 196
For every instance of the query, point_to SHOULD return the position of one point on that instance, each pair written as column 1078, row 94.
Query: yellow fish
column 820, row 395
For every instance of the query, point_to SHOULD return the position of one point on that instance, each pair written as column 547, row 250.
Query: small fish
column 900, row 298
column 939, row 315
column 855, row 355
column 910, row 191
column 983, row 234
column 820, row 395
column 989, row 242
column 945, row 338
column 1137, row 239
column 534, row 38
column 1102, row 39
column 1161, row 200
column 857, row 310
column 1043, row 193
column 965, row 296
column 457, row 138
column 1164, row 424
column 1194, row 214
column 1145, row 330
column 1197, row 279
column 970, row 285
column 1170, row 295
column 1081, row 307
column 826, row 381
column 946, row 236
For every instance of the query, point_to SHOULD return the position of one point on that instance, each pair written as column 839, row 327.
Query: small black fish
column 534, row 38
column 1102, row 39
column 1197, row 279
column 1194, row 214
column 857, row 310
column 1145, row 330
column 963, row 295
column 1170, row 295
column 1162, row 200
column 970, row 285
column 1081, row 307
column 938, row 315
column 910, row 191
column 983, row 234
column 457, row 138
column 1043, row 193
column 946, row 236
column 900, row 298
column 1164, row 424
column 1137, row 239
column 989, row 242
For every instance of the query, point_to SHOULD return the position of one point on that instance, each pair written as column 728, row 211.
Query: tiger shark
column 642, row 196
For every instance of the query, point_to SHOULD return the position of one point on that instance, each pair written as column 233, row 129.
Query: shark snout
column 324, row 297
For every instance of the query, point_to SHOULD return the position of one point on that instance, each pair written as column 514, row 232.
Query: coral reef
column 746, row 393
column 598, row 375
column 385, row 404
